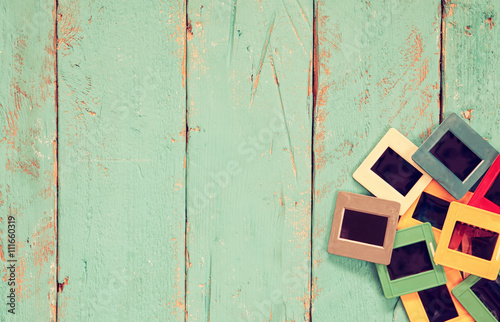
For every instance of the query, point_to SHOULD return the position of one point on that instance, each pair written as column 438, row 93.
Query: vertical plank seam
column 186, row 136
column 315, row 75
column 56, row 202
column 441, row 62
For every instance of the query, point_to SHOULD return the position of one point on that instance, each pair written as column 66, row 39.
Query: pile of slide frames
column 432, row 225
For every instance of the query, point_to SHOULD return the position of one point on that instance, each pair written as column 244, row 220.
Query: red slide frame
column 478, row 200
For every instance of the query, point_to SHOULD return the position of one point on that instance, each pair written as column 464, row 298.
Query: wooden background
column 171, row 160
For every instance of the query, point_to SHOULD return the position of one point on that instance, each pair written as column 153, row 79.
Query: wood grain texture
column 249, row 160
column 200, row 150
column 27, row 162
column 471, row 53
column 378, row 67
column 121, row 153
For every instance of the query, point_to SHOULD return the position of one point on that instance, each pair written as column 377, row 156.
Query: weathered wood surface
column 378, row 67
column 121, row 155
column 471, row 52
column 201, row 147
column 28, row 161
column 249, row 75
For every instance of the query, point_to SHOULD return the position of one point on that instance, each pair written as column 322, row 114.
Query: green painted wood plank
column 471, row 53
column 378, row 65
column 121, row 155
column 249, row 160
column 27, row 162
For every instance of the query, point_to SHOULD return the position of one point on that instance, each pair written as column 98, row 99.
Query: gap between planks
column 56, row 152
